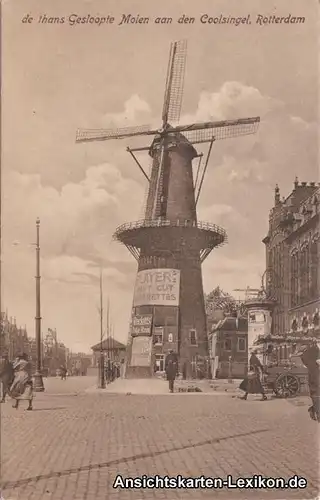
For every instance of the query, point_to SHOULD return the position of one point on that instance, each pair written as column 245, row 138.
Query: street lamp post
column 102, row 381
column 38, row 381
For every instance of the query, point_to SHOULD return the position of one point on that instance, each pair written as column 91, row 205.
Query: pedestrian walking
column 171, row 368
column 251, row 384
column 311, row 359
column 22, row 385
column 6, row 377
column 63, row 372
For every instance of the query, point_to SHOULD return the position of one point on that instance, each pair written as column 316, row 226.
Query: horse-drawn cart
column 286, row 379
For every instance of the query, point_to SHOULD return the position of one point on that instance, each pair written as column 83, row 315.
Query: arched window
column 305, row 322
column 316, row 319
column 294, row 325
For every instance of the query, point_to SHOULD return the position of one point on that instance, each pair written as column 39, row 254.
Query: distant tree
column 218, row 300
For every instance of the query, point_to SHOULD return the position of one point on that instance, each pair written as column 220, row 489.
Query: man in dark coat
column 252, row 382
column 171, row 368
column 311, row 359
column 6, row 376
column 63, row 371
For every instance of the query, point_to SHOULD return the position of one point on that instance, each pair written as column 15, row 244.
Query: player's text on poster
column 157, row 287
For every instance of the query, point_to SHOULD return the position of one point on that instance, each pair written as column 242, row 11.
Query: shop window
column 158, row 335
column 159, row 363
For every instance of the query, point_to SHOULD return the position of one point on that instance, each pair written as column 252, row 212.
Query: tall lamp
column 38, row 380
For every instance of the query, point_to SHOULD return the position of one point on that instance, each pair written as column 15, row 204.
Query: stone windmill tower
column 170, row 244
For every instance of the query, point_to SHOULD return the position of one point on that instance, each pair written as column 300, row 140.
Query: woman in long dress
column 252, row 383
column 22, row 386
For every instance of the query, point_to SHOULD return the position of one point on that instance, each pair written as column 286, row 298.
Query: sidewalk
column 72, row 386
column 133, row 386
column 158, row 386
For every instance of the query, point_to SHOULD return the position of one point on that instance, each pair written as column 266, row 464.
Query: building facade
column 110, row 348
column 13, row 339
column 292, row 259
column 228, row 344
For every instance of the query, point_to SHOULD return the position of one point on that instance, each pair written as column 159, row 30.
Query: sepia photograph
column 160, row 239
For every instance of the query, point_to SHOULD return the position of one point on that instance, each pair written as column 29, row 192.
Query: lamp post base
column 102, row 382
column 38, row 382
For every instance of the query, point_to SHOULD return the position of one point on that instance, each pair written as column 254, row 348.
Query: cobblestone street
column 74, row 444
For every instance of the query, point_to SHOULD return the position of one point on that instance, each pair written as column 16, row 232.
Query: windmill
column 170, row 244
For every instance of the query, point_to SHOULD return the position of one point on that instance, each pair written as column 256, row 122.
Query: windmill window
column 193, row 337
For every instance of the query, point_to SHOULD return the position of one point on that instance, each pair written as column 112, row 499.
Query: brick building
column 292, row 259
column 228, row 344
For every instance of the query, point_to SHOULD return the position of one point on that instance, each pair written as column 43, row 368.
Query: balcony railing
column 145, row 223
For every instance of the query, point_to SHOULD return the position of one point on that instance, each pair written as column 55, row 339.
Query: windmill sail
column 204, row 132
column 87, row 135
column 174, row 82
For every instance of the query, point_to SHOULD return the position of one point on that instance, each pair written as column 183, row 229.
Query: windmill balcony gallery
column 170, row 244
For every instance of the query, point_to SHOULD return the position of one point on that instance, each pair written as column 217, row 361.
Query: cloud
column 233, row 100
column 79, row 219
column 135, row 109
column 72, row 269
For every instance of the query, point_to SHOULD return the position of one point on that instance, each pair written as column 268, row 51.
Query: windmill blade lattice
column 87, row 135
column 204, row 132
column 174, row 82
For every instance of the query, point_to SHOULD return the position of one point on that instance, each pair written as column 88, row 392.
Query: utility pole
column 102, row 382
column 108, row 345
column 38, row 381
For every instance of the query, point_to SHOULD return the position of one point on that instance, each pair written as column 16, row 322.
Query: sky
column 57, row 78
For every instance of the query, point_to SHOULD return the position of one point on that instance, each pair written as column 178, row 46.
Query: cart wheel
column 286, row 386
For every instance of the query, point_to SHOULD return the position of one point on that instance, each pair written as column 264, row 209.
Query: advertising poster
column 141, row 325
column 141, row 351
column 157, row 287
